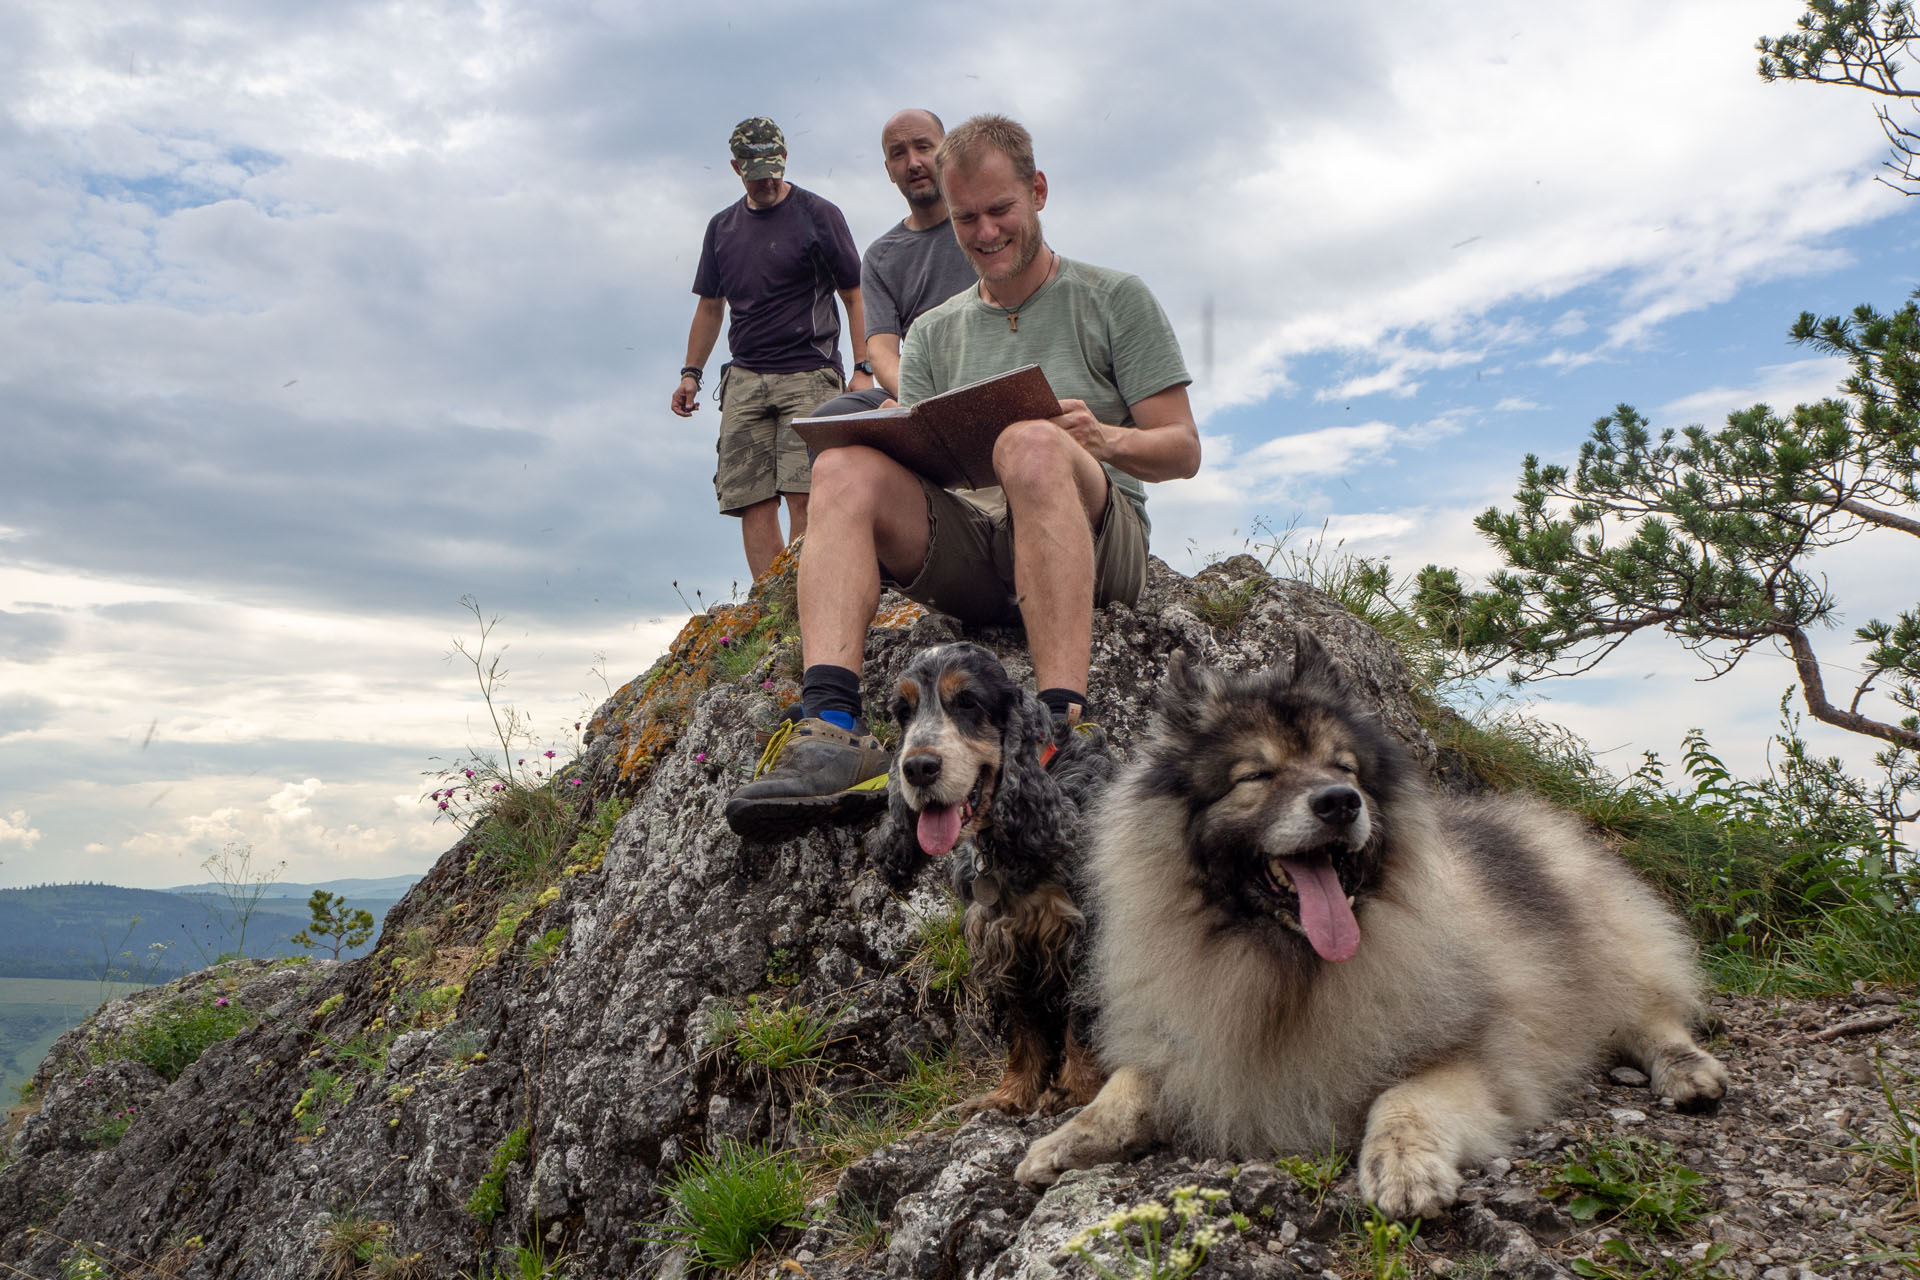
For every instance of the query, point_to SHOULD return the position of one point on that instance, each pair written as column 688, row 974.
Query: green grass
column 940, row 959
column 173, row 1037
column 523, row 1262
column 1896, row 1159
column 726, row 1205
column 777, row 1037
column 858, row 1123
column 111, row 1128
column 1315, row 1174
column 355, row 1248
column 1225, row 606
column 527, row 832
column 544, row 949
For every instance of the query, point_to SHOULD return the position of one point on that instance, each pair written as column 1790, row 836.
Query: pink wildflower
column 700, row 757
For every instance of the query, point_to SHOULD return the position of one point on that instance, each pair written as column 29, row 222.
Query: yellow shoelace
column 775, row 742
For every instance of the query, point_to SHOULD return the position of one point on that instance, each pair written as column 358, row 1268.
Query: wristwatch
column 863, row 366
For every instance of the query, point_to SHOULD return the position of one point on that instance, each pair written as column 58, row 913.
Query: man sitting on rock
column 1066, row 531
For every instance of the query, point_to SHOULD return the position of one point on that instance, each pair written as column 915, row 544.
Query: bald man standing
column 914, row 267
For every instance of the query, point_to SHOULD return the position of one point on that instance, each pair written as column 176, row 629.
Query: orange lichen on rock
column 652, row 715
column 904, row 614
column 788, row 561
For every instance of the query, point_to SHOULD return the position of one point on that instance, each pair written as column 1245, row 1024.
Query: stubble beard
column 1026, row 248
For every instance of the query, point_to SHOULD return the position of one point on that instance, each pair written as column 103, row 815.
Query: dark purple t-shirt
column 778, row 269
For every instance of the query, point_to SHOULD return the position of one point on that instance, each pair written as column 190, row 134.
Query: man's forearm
column 856, row 324
column 707, row 319
column 883, row 352
column 1169, row 452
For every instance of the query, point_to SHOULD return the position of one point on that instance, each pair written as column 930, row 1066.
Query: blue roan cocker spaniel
column 982, row 775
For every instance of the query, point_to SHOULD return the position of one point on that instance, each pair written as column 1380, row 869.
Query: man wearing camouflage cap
column 772, row 264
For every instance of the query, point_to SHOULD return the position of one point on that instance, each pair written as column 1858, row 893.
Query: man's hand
column 1078, row 421
column 686, row 397
column 859, row 381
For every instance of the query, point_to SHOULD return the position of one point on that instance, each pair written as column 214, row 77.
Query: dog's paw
column 998, row 1100
column 1690, row 1076
column 1071, row 1146
column 1406, row 1175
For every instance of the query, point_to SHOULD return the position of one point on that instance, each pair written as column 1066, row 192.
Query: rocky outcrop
column 537, row 1044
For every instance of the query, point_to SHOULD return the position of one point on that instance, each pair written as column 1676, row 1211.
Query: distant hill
column 390, row 888
column 90, row 930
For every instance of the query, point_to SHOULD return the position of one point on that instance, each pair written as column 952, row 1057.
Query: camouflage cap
column 760, row 148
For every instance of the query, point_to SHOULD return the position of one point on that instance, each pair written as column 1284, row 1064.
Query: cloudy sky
column 316, row 318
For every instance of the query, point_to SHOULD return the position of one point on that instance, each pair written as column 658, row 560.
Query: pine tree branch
column 1813, row 688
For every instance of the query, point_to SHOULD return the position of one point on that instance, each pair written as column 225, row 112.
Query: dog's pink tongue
column 1324, row 912
column 939, row 828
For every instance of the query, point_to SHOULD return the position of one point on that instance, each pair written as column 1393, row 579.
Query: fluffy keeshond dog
column 1302, row 945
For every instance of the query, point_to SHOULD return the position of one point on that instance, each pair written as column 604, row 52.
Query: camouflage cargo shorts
column 760, row 454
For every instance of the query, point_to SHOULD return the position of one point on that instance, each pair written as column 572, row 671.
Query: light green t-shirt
column 1099, row 336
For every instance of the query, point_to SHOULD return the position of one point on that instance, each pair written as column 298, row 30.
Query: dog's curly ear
column 1314, row 666
column 1027, row 811
column 894, row 845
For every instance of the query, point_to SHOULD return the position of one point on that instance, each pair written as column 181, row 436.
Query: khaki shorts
column 760, row 454
column 969, row 569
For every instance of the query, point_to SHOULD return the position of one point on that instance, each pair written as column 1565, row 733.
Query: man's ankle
column 1065, row 704
column 832, row 694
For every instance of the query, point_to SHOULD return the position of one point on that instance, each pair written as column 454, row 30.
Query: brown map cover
column 947, row 438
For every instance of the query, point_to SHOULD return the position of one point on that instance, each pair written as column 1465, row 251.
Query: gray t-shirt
column 907, row 273
column 1098, row 335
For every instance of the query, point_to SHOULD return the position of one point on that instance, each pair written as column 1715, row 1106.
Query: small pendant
column 986, row 888
column 1013, row 322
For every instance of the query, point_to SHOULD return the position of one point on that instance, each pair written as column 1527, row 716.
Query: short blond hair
column 966, row 146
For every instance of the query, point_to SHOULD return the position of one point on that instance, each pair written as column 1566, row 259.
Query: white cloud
column 289, row 804
column 1781, row 386
column 16, row 829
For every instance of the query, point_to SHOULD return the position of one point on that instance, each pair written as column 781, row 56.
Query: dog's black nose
column 1335, row 806
column 921, row 770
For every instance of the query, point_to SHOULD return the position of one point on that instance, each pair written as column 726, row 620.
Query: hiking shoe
column 810, row 772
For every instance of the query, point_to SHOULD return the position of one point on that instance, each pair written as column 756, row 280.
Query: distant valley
column 103, row 932
column 65, row 948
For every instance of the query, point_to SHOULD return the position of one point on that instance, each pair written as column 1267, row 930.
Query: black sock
column 1059, row 700
column 825, row 688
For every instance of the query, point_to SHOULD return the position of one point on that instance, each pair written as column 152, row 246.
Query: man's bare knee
column 1032, row 452
column 853, row 477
